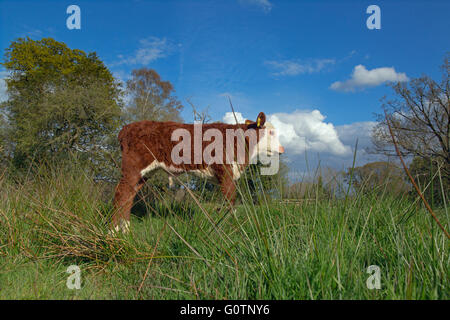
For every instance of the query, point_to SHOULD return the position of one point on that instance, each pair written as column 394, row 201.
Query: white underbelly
column 206, row 173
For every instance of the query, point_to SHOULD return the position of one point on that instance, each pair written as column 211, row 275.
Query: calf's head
column 268, row 147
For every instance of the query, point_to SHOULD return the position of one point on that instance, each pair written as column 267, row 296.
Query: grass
column 311, row 250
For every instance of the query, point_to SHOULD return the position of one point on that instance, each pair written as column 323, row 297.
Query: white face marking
column 269, row 143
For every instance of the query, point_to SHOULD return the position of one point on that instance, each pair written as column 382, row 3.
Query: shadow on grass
column 145, row 204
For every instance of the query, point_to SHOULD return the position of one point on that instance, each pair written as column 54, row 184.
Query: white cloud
column 348, row 133
column 331, row 146
column 302, row 131
column 265, row 5
column 149, row 50
column 295, row 67
column 363, row 78
column 229, row 118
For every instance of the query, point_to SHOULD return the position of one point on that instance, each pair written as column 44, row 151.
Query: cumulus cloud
column 331, row 146
column 348, row 133
column 149, row 50
column 264, row 5
column 229, row 118
column 302, row 131
column 295, row 67
column 305, row 131
column 363, row 78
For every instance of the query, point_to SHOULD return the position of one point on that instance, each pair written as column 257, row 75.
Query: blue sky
column 286, row 58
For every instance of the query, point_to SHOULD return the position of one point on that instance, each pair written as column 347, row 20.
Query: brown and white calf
column 149, row 145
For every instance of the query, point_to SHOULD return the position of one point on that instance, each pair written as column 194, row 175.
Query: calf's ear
column 250, row 124
column 261, row 120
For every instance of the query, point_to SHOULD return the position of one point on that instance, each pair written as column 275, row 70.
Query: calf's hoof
column 123, row 226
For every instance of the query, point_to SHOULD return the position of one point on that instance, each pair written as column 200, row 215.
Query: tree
column 378, row 174
column 420, row 121
column 419, row 117
column 3, row 142
column 428, row 177
column 151, row 97
column 60, row 101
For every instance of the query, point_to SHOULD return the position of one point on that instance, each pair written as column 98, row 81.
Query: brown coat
column 147, row 145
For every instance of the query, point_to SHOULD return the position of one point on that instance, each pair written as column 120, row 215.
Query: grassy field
column 319, row 249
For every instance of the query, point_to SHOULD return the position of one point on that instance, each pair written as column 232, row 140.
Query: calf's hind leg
column 228, row 188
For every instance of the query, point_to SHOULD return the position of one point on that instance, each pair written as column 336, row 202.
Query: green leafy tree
column 60, row 101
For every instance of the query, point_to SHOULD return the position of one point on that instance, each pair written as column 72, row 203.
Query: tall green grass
column 265, row 249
